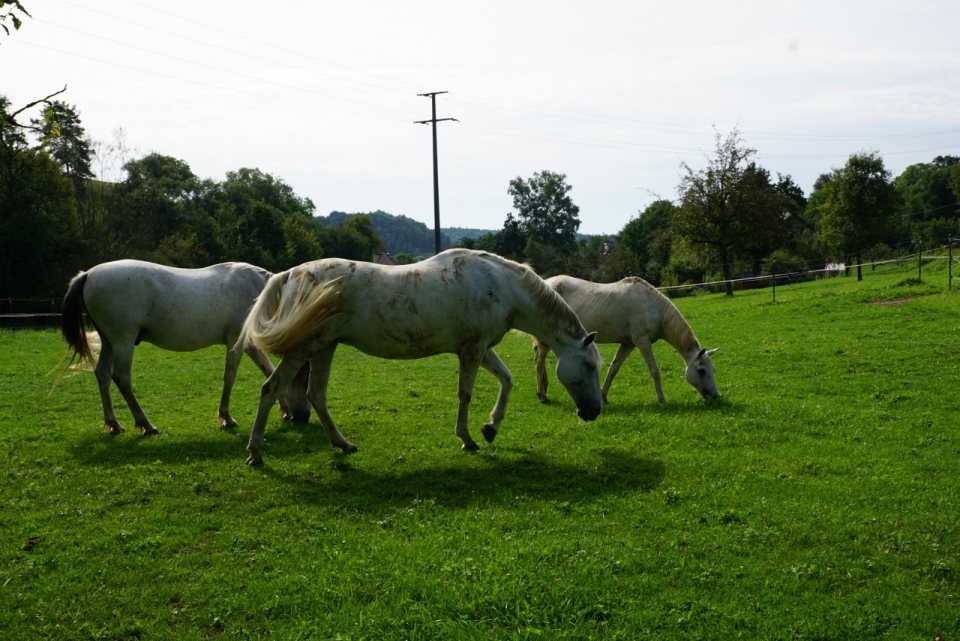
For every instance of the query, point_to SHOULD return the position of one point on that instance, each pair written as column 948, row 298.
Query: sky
column 615, row 95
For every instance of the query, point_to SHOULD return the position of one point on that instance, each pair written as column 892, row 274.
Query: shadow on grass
column 335, row 480
column 500, row 479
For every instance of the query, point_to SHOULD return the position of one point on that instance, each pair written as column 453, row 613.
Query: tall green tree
column 648, row 239
column 728, row 204
column 545, row 211
column 859, row 206
column 39, row 243
column 925, row 188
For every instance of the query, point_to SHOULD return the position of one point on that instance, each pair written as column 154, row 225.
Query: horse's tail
column 291, row 308
column 71, row 320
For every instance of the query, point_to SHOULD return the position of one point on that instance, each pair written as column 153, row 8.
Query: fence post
column 950, row 264
column 774, row 270
column 920, row 262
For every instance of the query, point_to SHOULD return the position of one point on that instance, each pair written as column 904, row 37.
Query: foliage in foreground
column 817, row 500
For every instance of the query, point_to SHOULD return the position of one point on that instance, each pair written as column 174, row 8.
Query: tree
column 648, row 238
column 15, row 7
column 353, row 239
column 38, row 228
column 509, row 242
column 925, row 188
column 545, row 210
column 728, row 205
column 859, row 206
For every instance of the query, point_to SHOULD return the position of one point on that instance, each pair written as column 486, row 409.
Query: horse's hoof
column 544, row 400
column 113, row 430
column 254, row 460
column 470, row 446
column 489, row 432
column 228, row 423
column 348, row 448
column 148, row 430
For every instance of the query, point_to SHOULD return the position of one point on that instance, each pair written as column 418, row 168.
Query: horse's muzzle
column 589, row 413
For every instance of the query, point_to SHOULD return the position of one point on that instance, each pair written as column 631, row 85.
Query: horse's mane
column 547, row 301
column 676, row 330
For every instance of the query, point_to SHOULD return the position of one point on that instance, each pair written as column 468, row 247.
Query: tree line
column 732, row 218
column 60, row 213
column 68, row 203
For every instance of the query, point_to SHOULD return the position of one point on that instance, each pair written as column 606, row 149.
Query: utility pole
column 436, row 178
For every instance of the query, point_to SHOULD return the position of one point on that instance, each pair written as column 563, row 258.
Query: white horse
column 633, row 313
column 183, row 310
column 460, row 302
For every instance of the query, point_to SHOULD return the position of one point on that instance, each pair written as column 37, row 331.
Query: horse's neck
column 676, row 331
column 544, row 314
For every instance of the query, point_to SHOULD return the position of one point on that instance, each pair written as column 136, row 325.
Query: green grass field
column 818, row 499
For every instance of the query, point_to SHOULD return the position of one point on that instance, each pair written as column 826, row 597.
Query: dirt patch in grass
column 894, row 302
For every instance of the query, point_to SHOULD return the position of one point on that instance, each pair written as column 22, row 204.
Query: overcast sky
column 613, row 94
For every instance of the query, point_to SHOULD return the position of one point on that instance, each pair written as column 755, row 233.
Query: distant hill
column 456, row 233
column 398, row 233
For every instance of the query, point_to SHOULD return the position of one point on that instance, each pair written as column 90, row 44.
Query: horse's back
column 411, row 311
column 174, row 308
column 616, row 311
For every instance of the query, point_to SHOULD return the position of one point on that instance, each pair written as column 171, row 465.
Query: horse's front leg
column 493, row 364
column 264, row 365
column 622, row 353
column 279, row 380
column 317, row 391
column 469, row 364
column 540, row 351
column 646, row 349
column 234, row 354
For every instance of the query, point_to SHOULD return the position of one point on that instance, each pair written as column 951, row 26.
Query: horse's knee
column 465, row 396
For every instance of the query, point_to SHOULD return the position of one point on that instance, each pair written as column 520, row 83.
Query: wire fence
column 45, row 312
column 833, row 269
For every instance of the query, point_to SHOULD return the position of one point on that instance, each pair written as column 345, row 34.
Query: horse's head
column 295, row 397
column 700, row 374
column 578, row 369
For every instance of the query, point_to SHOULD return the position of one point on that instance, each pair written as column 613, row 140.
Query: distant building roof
column 385, row 258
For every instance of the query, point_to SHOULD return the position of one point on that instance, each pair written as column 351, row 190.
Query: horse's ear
column 712, row 351
column 590, row 338
column 700, row 353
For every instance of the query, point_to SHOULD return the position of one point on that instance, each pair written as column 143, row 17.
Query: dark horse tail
column 71, row 319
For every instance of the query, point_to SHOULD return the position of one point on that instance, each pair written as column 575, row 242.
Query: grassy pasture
column 817, row 500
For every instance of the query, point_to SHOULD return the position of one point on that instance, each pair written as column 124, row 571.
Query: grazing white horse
column 183, row 310
column 633, row 313
column 460, row 302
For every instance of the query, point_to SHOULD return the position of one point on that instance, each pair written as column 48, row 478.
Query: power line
column 267, row 44
column 229, row 50
column 21, row 41
column 234, row 73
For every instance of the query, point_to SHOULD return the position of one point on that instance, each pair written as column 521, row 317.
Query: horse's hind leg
column 234, row 354
column 469, row 364
column 103, row 372
column 299, row 407
column 622, row 353
column 317, row 392
column 540, row 351
column 492, row 363
column 269, row 392
column 122, row 364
